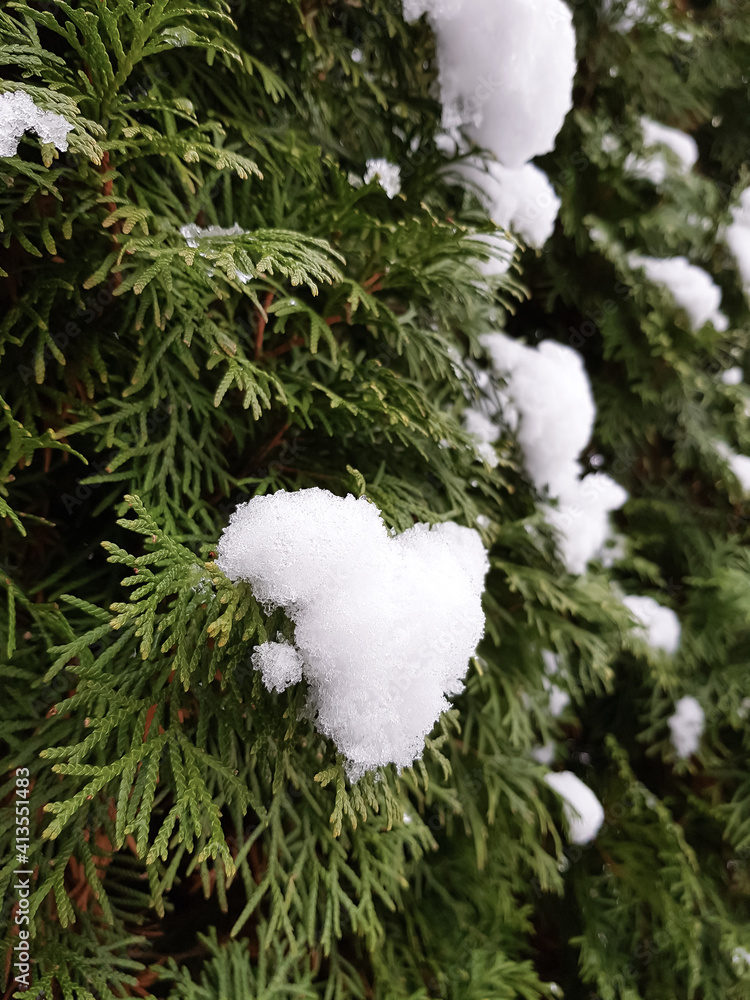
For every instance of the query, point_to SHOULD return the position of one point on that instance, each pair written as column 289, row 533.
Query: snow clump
column 387, row 174
column 506, row 70
column 732, row 376
column 484, row 432
column 558, row 699
column 739, row 464
column 660, row 625
column 582, row 521
column 686, row 726
column 738, row 238
column 691, row 288
column 384, row 624
column 655, row 167
column 279, row 663
column 544, row 754
column 551, row 406
column 521, row 200
column 550, row 389
column 499, row 251
column 582, row 809
column 626, row 18
column 19, row 114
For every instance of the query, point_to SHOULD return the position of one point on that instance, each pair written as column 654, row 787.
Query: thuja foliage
column 192, row 836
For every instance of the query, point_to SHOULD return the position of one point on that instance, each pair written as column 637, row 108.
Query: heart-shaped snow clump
column 384, row 624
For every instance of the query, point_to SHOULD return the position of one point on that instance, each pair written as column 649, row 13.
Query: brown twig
column 294, row 342
column 262, row 320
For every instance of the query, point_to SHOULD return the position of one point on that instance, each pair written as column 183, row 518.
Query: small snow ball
column 279, row 663
column 387, row 174
column 582, row 809
column 660, row 625
column 686, row 726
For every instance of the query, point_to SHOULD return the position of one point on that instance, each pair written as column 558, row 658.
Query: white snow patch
column 558, row 699
column 582, row 809
column 686, row 726
column 732, row 376
column 661, row 625
column 614, row 550
column 739, row 464
column 553, row 413
column 582, row 518
column 384, row 624
column 387, row 174
column 655, row 167
column 544, row 754
column 737, row 236
column 551, row 661
column 499, row 250
column 484, row 431
column 506, row 70
column 551, row 391
column 521, row 199
column 626, row 18
column 280, row 664
column 691, row 288
column 680, row 143
column 19, row 114
column 193, row 234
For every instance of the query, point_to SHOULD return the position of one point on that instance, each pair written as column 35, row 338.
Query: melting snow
column 19, row 114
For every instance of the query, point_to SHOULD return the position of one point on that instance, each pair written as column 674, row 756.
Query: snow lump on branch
column 551, row 391
column 551, row 403
column 387, row 174
column 522, row 200
column 19, row 114
column 738, row 464
column 660, row 626
column 384, row 624
column 738, row 238
column 654, row 166
column 506, row 70
column 193, row 234
column 686, row 726
column 691, row 288
column 582, row 809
